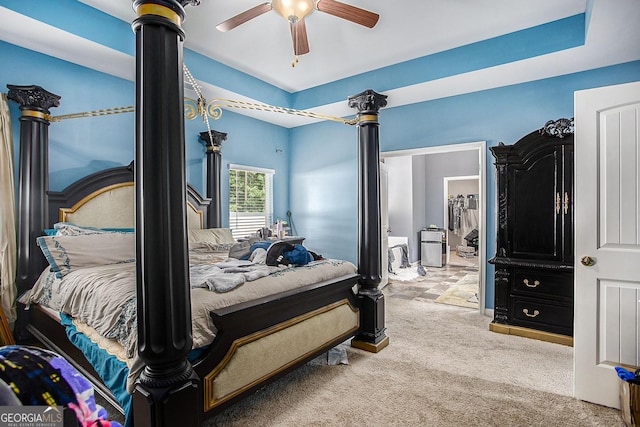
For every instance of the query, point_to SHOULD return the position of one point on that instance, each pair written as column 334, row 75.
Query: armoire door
column 567, row 215
column 536, row 194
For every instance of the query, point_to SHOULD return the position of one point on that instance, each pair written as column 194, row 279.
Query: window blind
column 250, row 199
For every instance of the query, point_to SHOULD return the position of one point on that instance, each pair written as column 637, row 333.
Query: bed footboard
column 291, row 329
column 253, row 359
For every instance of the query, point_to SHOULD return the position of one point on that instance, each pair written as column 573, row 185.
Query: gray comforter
column 104, row 297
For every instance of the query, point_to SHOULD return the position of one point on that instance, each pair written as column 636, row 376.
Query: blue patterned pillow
column 66, row 253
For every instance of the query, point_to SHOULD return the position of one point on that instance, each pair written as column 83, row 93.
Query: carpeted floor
column 443, row 367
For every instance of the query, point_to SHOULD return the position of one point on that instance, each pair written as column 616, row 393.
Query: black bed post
column 372, row 336
column 213, row 144
column 166, row 393
column 33, row 212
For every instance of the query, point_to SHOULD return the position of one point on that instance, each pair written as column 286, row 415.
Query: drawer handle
column 526, row 312
column 536, row 283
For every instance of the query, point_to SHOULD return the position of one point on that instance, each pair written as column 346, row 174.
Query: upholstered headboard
column 112, row 206
column 107, row 199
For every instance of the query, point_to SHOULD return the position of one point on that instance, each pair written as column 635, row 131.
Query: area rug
column 464, row 293
column 405, row 274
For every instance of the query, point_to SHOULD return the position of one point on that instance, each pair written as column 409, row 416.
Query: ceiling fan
column 294, row 11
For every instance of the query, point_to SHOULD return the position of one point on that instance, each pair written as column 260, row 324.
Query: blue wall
column 323, row 162
column 316, row 165
column 251, row 143
column 78, row 147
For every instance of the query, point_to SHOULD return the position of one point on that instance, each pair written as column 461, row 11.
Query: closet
column 462, row 207
column 462, row 214
column 534, row 256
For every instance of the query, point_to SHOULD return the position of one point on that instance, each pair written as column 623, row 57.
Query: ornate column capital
column 213, row 140
column 368, row 102
column 33, row 99
column 169, row 13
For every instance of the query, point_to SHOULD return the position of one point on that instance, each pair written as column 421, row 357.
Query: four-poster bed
column 247, row 349
column 250, row 327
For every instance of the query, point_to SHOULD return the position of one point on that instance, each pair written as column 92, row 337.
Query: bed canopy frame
column 169, row 386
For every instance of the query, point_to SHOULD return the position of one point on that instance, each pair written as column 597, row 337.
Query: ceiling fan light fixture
column 293, row 10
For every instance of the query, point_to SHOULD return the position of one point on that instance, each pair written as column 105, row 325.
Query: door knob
column 587, row 261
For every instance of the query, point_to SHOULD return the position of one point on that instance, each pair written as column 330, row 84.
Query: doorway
column 409, row 211
column 461, row 194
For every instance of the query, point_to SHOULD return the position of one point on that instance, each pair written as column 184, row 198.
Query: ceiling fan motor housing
column 293, row 10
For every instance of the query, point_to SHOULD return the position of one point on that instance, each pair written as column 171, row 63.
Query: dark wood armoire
column 534, row 251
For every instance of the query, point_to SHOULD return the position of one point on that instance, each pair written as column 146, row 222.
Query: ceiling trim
column 52, row 41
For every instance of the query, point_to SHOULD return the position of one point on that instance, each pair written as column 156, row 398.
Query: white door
column 607, row 229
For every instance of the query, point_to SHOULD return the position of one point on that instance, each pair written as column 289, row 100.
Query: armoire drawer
column 537, row 283
column 542, row 315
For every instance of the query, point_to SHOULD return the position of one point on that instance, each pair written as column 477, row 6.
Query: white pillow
column 211, row 235
column 66, row 253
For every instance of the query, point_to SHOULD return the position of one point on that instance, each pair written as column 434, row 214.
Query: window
column 250, row 199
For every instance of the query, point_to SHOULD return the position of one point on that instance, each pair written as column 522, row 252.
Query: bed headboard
column 106, row 199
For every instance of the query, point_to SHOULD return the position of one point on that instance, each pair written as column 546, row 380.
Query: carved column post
column 502, row 154
column 166, row 393
column 33, row 212
column 372, row 336
column 213, row 144
column 502, row 276
column 501, row 300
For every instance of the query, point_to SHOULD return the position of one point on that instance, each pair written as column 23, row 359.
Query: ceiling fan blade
column 243, row 17
column 299, row 36
column 348, row 12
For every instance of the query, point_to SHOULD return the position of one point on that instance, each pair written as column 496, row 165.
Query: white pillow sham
column 66, row 253
column 211, row 235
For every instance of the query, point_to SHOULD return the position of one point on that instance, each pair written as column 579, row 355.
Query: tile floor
column 451, row 284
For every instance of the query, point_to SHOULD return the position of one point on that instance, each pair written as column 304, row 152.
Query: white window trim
column 269, row 173
column 252, row 169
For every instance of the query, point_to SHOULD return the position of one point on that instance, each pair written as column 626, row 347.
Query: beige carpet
column 443, row 367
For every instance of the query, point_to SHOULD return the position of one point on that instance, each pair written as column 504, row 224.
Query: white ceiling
column 407, row 29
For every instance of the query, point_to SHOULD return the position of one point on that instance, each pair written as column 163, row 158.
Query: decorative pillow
column 69, row 229
column 211, row 235
column 210, row 247
column 66, row 253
